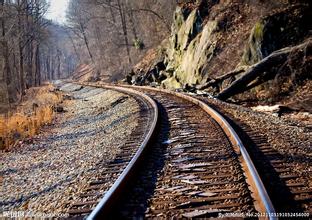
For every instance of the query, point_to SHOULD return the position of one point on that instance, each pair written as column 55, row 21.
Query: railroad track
column 289, row 188
column 193, row 165
column 120, row 169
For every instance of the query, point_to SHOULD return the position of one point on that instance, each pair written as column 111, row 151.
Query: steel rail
column 263, row 201
column 104, row 207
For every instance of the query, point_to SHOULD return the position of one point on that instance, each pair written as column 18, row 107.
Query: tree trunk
column 21, row 70
column 48, row 67
column 4, row 78
column 122, row 14
column 52, row 69
column 220, row 79
column 28, row 51
column 58, row 64
column 131, row 21
column 83, row 31
column 20, row 46
column 38, row 72
column 74, row 46
column 276, row 58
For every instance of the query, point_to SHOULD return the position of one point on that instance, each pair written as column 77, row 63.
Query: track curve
column 111, row 181
column 261, row 201
column 110, row 196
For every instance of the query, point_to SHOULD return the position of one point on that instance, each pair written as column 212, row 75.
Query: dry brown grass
column 29, row 116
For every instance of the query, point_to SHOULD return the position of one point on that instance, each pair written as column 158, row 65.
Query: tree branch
column 154, row 13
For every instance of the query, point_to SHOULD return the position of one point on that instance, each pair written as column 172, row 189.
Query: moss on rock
column 280, row 29
column 191, row 47
column 198, row 53
column 253, row 53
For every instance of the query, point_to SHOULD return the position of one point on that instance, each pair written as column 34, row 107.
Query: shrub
column 29, row 117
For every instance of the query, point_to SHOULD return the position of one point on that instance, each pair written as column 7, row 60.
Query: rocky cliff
column 215, row 43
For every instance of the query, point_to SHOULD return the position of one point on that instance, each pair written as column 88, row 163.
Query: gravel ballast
column 42, row 175
column 281, row 150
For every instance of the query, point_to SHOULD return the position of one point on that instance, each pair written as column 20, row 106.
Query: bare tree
column 28, row 48
column 117, row 33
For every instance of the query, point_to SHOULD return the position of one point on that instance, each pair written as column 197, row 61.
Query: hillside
column 215, row 44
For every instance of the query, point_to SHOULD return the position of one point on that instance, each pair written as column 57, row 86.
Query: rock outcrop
column 212, row 38
column 191, row 47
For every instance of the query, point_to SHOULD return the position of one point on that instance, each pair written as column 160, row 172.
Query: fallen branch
column 216, row 81
column 241, row 84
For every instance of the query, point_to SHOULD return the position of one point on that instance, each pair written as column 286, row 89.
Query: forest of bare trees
column 113, row 35
column 110, row 36
column 31, row 49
